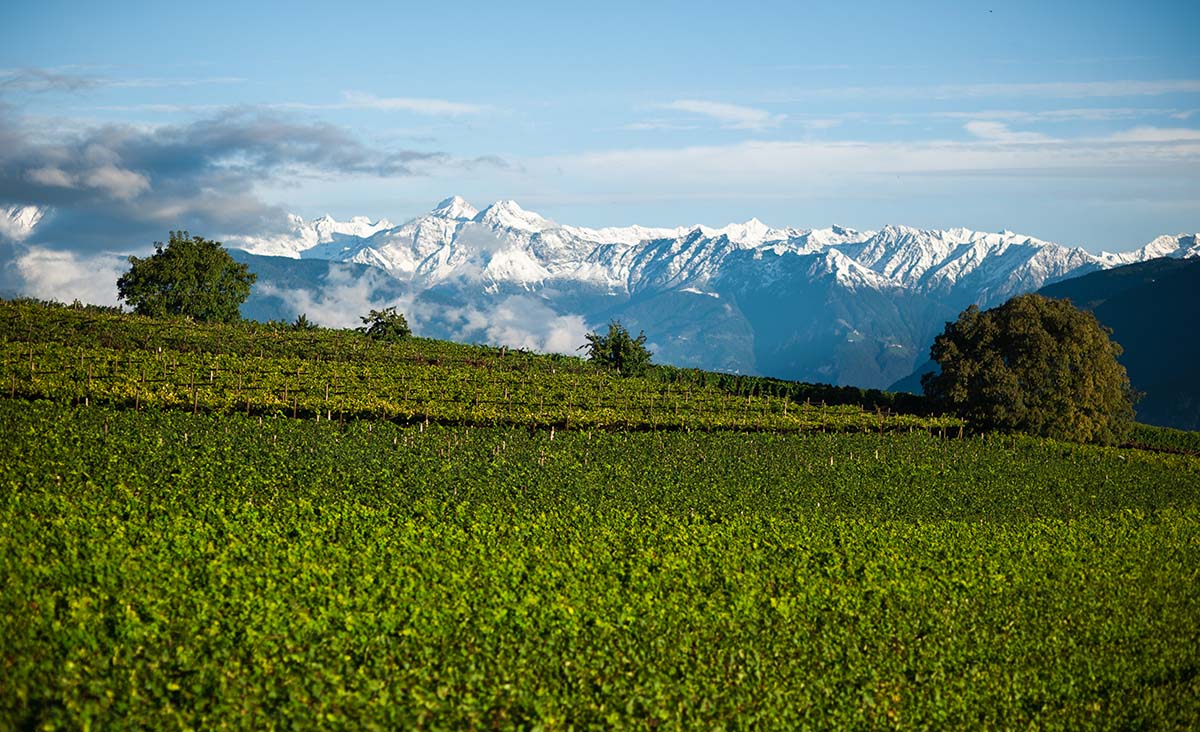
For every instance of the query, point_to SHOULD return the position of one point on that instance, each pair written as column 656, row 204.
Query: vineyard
column 551, row 547
column 83, row 358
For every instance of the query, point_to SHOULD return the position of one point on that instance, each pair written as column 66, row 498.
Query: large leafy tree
column 617, row 350
column 1034, row 365
column 385, row 325
column 190, row 276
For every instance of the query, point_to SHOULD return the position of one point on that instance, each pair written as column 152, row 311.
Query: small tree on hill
column 303, row 323
column 385, row 325
column 190, row 276
column 617, row 350
column 1033, row 365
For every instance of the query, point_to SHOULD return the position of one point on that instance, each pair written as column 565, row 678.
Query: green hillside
column 460, row 537
column 94, row 356
column 1153, row 310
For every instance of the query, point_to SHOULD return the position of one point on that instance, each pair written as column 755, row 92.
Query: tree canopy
column 385, row 325
column 1034, row 365
column 190, row 276
column 617, row 350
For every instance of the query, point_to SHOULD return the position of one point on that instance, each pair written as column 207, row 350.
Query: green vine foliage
column 211, row 526
column 80, row 357
column 164, row 570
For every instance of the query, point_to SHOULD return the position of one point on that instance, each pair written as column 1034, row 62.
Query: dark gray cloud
column 120, row 186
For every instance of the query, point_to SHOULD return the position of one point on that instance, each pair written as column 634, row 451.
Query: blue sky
column 1077, row 122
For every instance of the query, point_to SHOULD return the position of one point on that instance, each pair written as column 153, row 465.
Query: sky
column 1075, row 122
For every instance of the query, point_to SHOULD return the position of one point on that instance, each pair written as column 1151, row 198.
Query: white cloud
column 118, row 182
column 1093, row 114
column 341, row 300
column 804, row 166
column 417, row 105
column 430, row 107
column 999, row 132
column 521, row 321
column 68, row 276
column 412, row 104
column 731, row 116
column 1081, row 89
column 51, row 176
column 1053, row 89
column 1157, row 134
column 517, row 321
column 656, row 125
column 821, row 124
column 158, row 83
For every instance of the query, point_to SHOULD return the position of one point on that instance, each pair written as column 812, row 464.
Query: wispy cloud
column 1093, row 114
column 657, row 125
column 363, row 100
column 416, row 105
column 999, row 132
column 1054, row 89
column 1157, row 134
column 350, row 100
column 44, row 80
column 730, row 116
column 809, row 165
column 163, row 83
column 72, row 79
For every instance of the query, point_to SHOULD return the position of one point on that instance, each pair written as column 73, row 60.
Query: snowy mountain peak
column 1179, row 246
column 751, row 233
column 506, row 243
column 455, row 207
column 18, row 222
column 509, row 215
column 849, row 273
column 302, row 236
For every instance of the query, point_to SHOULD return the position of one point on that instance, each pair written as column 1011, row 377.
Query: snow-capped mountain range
column 834, row 305
column 504, row 244
column 829, row 305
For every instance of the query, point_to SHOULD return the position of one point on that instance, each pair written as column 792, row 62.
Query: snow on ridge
column 301, row 236
column 18, row 222
column 504, row 242
column 851, row 274
column 508, row 214
column 1181, row 246
column 455, row 207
